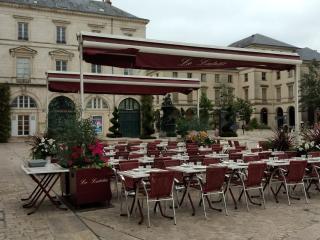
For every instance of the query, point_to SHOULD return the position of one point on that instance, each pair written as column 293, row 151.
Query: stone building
column 40, row 35
column 271, row 92
column 37, row 36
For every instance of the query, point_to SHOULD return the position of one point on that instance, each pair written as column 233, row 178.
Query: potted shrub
column 89, row 178
column 281, row 141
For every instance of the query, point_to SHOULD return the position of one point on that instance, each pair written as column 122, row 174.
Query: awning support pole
column 198, row 103
column 47, row 106
column 81, row 76
column 297, row 116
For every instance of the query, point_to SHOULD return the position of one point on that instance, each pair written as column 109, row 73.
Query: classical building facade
column 271, row 92
column 38, row 36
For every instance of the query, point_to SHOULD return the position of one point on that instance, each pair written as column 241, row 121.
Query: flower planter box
column 87, row 186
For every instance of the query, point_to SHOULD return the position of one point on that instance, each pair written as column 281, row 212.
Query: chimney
column 107, row 1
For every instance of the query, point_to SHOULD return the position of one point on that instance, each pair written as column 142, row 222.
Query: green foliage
column 253, row 124
column 147, row 116
column 114, row 129
column 244, row 108
column 281, row 141
column 78, row 146
column 168, row 120
column 5, row 123
column 310, row 86
column 206, row 107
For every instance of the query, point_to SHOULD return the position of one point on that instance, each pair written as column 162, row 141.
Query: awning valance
column 126, row 52
column 69, row 82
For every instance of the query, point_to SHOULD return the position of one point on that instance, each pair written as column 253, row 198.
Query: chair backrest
column 235, row 156
column 208, row 161
column 255, row 174
column 196, row 158
column 240, row 148
column 155, row 153
column 161, row 184
column 234, row 150
column 264, row 155
column 236, row 143
column 159, row 162
column 135, row 156
column 296, row 171
column 168, row 154
column 251, row 158
column 192, row 152
column 282, row 156
column 122, row 154
column 128, row 165
column 256, row 150
column 121, row 148
column 314, row 154
column 215, row 177
column 291, row 154
column 171, row 163
column 152, row 146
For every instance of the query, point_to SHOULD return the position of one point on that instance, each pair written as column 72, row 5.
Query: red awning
column 126, row 52
column 68, row 82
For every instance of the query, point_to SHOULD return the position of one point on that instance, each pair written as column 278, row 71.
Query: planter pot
column 87, row 186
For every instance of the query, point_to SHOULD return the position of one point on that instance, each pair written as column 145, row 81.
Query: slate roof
column 308, row 54
column 259, row 39
column 85, row 6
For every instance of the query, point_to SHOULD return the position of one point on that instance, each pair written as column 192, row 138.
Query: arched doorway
column 61, row 110
column 291, row 116
column 264, row 116
column 129, row 118
column 280, row 118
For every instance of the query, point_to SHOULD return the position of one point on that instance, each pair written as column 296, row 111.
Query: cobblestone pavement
column 277, row 221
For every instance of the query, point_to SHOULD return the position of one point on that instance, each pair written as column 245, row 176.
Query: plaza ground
column 277, row 221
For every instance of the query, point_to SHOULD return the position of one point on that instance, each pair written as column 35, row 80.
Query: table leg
column 39, row 192
column 46, row 192
column 141, row 213
column 35, row 189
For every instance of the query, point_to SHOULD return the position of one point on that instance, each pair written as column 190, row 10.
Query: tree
column 168, row 120
column 310, row 86
column 206, row 107
column 147, row 116
column 5, row 126
column 114, row 129
column 244, row 108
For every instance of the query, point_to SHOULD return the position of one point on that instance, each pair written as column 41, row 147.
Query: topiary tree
column 168, row 120
column 147, row 116
column 206, row 108
column 5, row 126
column 114, row 129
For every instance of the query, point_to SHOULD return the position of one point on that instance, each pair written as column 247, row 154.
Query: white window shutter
column 32, row 119
column 14, row 125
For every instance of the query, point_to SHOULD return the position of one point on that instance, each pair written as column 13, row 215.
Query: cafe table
column 180, row 157
column 137, row 174
column 45, row 179
column 222, row 156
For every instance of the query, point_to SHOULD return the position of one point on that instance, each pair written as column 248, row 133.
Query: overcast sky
column 221, row 22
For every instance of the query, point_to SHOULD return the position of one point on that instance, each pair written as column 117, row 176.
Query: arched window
column 129, row 104
column 97, row 103
column 24, row 102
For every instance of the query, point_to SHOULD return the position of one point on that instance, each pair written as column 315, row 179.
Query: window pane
column 23, row 68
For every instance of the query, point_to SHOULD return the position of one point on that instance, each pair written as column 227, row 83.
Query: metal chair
column 253, row 180
column 128, row 188
column 215, row 178
column 160, row 189
column 293, row 176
